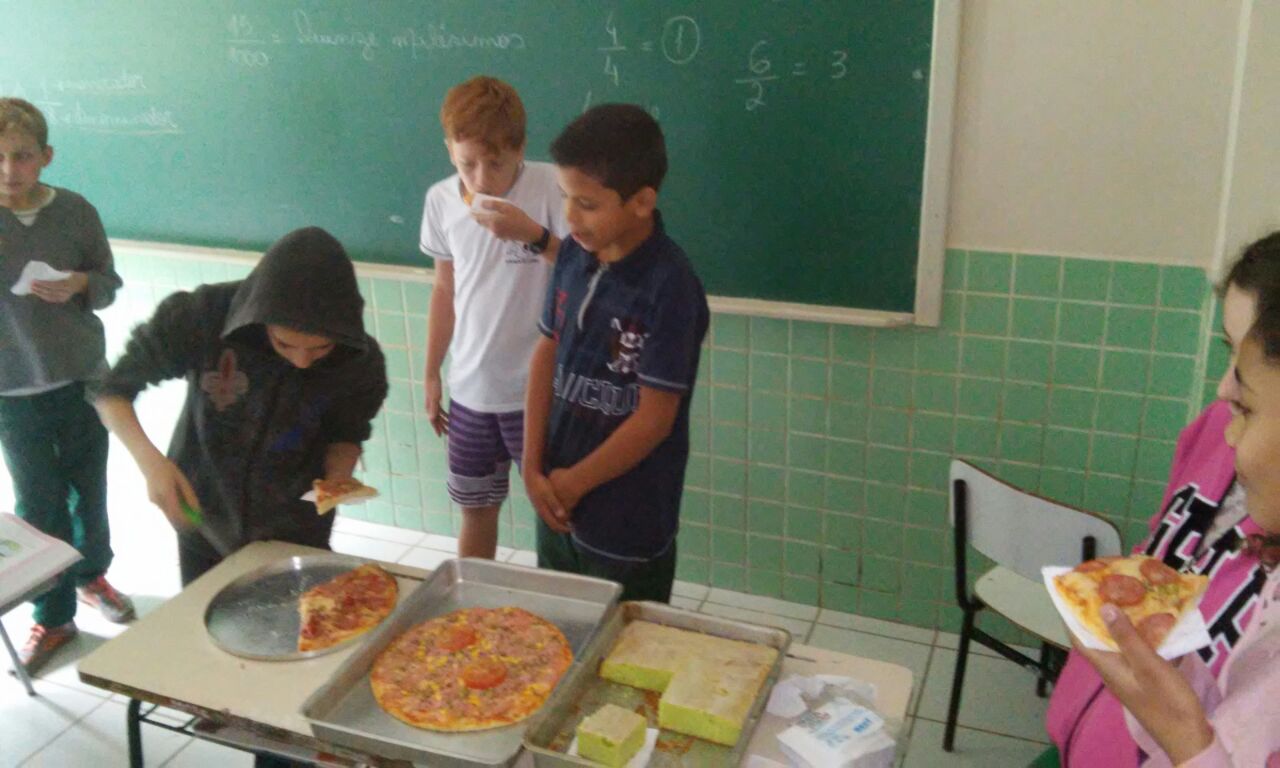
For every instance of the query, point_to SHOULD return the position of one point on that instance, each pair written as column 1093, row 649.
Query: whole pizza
column 472, row 669
column 1153, row 595
column 347, row 605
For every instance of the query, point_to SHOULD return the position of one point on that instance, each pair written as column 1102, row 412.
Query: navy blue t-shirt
column 636, row 322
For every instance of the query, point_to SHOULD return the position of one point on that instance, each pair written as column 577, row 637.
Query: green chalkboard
column 795, row 128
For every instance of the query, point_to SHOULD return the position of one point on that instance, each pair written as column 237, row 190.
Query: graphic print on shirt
column 309, row 417
column 626, row 345
column 225, row 385
column 1176, row 539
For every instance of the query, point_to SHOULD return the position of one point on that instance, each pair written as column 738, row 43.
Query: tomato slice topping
column 483, row 674
column 457, row 637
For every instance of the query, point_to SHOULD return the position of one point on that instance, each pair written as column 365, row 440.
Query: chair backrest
column 1023, row 532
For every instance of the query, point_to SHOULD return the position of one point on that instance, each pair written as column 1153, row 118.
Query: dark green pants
column 648, row 580
column 56, row 452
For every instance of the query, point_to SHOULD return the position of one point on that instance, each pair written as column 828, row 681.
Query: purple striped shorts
column 481, row 448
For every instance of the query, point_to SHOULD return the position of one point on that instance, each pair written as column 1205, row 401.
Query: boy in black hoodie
column 282, row 384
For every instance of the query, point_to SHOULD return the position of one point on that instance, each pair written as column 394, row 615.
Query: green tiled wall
column 820, row 452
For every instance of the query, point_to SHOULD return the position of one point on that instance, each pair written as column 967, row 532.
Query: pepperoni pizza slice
column 1153, row 595
column 347, row 605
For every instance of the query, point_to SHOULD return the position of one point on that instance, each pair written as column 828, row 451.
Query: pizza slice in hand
column 1153, row 595
column 331, row 493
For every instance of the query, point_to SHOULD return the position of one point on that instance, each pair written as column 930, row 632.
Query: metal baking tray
column 256, row 616
column 584, row 691
column 343, row 710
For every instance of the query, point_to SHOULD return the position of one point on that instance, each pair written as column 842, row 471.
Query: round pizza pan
column 256, row 616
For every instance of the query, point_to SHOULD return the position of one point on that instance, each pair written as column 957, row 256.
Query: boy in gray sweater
column 51, row 343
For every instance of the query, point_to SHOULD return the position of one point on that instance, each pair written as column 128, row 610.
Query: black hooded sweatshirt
column 254, row 429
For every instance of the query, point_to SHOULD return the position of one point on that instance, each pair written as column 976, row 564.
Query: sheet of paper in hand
column 33, row 271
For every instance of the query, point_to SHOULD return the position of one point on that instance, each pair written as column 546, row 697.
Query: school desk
column 166, row 659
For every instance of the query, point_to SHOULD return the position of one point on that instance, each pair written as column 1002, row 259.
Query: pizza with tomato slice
column 347, row 605
column 1153, row 595
column 471, row 669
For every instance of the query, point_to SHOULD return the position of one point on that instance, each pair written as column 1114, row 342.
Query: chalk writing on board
column 150, row 121
column 365, row 40
column 438, row 38
column 249, row 40
column 761, row 73
column 680, row 42
column 123, row 82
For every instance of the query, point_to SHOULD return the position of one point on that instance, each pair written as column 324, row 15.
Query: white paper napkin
column 1189, row 634
column 787, row 699
column 36, row 270
column 640, row 759
column 478, row 206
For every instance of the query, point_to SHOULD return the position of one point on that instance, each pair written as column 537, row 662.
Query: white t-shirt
column 499, row 287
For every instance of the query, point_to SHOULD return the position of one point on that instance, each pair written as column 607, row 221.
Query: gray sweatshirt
column 43, row 343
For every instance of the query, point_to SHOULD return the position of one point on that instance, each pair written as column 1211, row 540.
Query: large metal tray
column 256, row 616
column 343, row 710
column 584, row 691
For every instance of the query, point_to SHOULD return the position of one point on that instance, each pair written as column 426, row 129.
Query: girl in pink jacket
column 1178, row 713
column 1199, row 530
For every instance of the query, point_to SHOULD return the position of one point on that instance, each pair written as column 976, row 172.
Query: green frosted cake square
column 708, row 683
column 611, row 736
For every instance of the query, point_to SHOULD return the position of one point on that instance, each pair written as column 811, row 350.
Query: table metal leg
column 18, row 670
column 133, row 725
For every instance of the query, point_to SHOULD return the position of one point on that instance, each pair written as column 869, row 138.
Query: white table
column 27, row 575
column 167, row 658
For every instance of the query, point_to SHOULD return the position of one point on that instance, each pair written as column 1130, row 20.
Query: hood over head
column 306, row 282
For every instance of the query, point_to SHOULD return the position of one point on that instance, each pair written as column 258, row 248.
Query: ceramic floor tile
column 875, row 626
column 443, row 543
column 686, row 603
column 373, row 549
column 690, row 590
column 763, row 604
column 913, row 656
column 973, row 748
column 798, row 628
column 421, row 557
column 205, row 754
column 28, row 723
column 377, row 531
column 952, row 641
column 524, row 557
column 998, row 696
column 101, row 734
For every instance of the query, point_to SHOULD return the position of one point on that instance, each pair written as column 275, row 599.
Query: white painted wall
column 1253, row 193
column 1099, row 127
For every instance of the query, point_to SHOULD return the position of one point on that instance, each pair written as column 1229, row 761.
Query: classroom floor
column 72, row 724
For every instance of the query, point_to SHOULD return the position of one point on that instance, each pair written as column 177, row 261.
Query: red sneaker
column 43, row 643
column 111, row 604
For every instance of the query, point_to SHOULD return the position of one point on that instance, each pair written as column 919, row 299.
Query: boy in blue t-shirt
column 607, row 412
